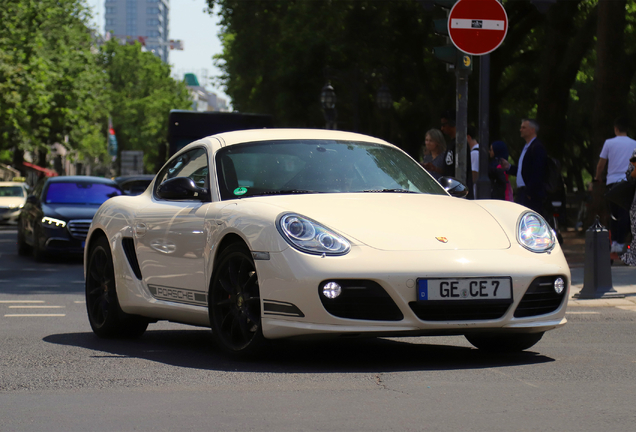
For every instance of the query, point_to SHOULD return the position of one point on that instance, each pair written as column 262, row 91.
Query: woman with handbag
column 629, row 257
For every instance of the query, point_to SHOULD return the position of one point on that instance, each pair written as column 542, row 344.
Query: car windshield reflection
column 318, row 166
column 80, row 193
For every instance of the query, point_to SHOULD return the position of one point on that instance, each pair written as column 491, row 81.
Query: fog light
column 331, row 290
column 559, row 285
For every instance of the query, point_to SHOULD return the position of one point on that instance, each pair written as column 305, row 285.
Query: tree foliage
column 58, row 85
column 141, row 94
column 571, row 67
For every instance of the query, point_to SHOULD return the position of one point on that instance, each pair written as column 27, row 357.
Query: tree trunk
column 611, row 86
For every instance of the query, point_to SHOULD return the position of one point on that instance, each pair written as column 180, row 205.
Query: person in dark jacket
column 530, row 170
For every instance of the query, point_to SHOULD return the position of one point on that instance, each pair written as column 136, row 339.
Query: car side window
column 192, row 164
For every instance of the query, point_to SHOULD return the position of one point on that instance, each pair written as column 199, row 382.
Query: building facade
column 143, row 20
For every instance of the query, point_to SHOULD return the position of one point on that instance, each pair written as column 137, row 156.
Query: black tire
column 23, row 248
column 504, row 342
column 234, row 303
column 104, row 313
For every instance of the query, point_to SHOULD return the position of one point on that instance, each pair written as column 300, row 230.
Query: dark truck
column 186, row 126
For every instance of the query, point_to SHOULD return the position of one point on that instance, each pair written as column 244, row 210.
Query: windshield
column 80, row 193
column 318, row 166
column 11, row 191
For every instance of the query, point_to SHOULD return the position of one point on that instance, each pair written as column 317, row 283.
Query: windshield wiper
column 395, row 190
column 284, row 192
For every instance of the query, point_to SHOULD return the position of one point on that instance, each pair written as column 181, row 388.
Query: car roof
column 72, row 179
column 12, row 184
column 252, row 135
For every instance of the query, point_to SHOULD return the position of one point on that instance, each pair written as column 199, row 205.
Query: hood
column 12, row 201
column 400, row 222
column 70, row 212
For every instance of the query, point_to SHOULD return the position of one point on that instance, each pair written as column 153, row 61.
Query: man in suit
column 530, row 170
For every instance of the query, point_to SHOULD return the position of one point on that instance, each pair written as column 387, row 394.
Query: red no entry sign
column 477, row 27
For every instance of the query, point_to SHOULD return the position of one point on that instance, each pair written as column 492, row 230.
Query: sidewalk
column 623, row 277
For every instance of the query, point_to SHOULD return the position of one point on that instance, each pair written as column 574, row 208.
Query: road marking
column 36, row 307
column 627, row 308
column 34, row 315
column 80, row 302
column 21, row 301
column 582, row 313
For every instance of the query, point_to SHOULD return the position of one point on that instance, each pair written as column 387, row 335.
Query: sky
column 198, row 31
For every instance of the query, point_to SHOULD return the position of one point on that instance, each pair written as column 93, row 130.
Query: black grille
column 129, row 249
column 79, row 228
column 540, row 298
column 361, row 299
column 460, row 310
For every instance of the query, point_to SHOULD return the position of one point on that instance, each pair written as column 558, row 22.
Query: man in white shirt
column 615, row 155
column 471, row 135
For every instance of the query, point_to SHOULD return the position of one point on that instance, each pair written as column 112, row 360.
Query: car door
column 170, row 235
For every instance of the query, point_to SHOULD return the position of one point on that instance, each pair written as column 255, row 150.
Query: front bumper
column 9, row 216
column 289, row 283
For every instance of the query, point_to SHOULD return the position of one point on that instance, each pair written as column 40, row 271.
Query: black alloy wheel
column 235, row 303
column 104, row 313
column 503, row 343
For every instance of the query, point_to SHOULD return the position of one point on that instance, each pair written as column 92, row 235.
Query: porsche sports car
column 293, row 233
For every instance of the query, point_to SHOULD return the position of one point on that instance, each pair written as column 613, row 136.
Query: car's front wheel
column 104, row 313
column 504, row 342
column 234, row 302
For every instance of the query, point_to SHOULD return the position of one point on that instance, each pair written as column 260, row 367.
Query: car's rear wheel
column 235, row 303
column 504, row 342
column 104, row 313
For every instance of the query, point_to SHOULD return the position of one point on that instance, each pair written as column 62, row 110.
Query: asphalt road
column 56, row 376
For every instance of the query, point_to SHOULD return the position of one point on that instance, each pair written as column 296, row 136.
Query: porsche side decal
column 178, row 295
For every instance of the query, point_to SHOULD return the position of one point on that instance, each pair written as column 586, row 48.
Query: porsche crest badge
column 442, row 239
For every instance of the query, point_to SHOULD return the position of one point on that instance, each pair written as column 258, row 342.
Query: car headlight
column 534, row 233
column 311, row 237
column 49, row 221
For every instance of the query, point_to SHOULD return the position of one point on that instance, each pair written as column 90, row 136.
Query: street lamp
column 328, row 102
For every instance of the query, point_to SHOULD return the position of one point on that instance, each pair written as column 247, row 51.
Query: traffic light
column 454, row 58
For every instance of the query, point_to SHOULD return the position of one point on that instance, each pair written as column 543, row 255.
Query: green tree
column 141, row 94
column 571, row 66
column 51, row 89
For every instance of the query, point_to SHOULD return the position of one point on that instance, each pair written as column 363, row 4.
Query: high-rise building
column 142, row 20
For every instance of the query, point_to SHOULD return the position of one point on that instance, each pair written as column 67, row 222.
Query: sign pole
column 483, row 182
column 461, row 124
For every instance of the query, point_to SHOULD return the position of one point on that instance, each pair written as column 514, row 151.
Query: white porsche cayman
column 283, row 233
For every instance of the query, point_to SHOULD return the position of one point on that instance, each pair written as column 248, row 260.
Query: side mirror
column 453, row 186
column 182, row 188
column 32, row 199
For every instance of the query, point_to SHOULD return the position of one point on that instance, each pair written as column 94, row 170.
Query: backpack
column 553, row 179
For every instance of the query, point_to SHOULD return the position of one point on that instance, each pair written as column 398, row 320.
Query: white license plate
column 491, row 288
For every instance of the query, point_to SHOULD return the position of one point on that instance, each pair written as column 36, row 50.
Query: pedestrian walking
column 530, row 170
column 433, row 158
column 629, row 257
column 615, row 155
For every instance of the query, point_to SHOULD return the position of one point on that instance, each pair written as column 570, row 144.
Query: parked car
column 57, row 215
column 134, row 184
column 12, row 199
column 289, row 233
